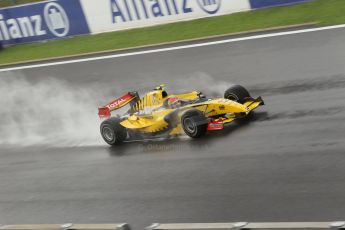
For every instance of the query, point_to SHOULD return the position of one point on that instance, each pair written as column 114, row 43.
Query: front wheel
column 113, row 132
column 237, row 93
column 194, row 123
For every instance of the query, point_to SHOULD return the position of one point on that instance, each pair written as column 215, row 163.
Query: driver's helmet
column 174, row 102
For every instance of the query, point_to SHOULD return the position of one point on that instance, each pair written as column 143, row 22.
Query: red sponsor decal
column 118, row 103
column 215, row 125
column 105, row 112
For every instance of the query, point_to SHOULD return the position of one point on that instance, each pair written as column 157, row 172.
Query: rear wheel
column 237, row 93
column 194, row 123
column 113, row 132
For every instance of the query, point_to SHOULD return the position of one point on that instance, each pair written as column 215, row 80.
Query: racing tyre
column 113, row 132
column 194, row 123
column 237, row 93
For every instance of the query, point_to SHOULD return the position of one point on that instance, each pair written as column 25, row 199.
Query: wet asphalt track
column 285, row 165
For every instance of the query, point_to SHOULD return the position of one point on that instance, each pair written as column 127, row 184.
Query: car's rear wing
column 105, row 111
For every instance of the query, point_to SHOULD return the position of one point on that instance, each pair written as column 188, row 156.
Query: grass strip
column 6, row 3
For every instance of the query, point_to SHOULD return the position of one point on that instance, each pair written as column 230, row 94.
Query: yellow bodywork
column 156, row 99
column 150, row 112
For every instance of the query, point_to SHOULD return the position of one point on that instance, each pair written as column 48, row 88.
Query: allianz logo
column 53, row 15
column 133, row 10
column 210, row 6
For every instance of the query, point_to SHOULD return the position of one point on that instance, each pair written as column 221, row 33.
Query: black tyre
column 237, row 93
column 194, row 123
column 113, row 132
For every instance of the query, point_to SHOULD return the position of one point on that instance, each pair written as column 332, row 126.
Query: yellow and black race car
column 158, row 114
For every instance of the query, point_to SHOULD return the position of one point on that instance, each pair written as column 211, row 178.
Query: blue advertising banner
column 255, row 4
column 42, row 21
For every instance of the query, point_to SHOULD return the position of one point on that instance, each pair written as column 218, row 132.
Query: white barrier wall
column 113, row 15
column 56, row 19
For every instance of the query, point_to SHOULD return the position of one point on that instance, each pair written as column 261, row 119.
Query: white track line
column 173, row 48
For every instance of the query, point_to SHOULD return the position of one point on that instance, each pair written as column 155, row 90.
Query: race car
column 159, row 114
